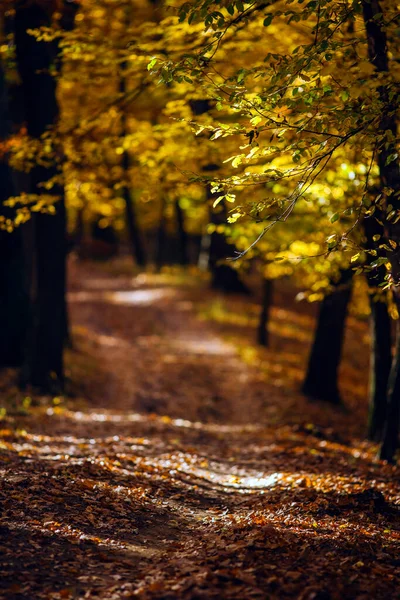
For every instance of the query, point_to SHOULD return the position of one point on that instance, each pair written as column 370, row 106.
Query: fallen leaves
column 109, row 501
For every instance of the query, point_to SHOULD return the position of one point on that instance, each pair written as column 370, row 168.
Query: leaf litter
column 188, row 465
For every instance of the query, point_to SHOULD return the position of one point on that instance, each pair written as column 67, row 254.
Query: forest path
column 158, row 357
column 188, row 472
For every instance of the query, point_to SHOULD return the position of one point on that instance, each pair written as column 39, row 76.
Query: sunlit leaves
column 278, row 98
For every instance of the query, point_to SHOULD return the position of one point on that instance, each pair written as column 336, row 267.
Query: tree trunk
column 391, row 430
column 381, row 338
column 182, row 235
column 44, row 365
column 389, row 171
column 45, row 368
column 223, row 276
column 262, row 331
column 381, row 359
column 14, row 297
column 204, row 252
column 161, row 236
column 321, row 381
column 135, row 237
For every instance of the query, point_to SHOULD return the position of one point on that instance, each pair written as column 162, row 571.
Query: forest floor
column 187, row 465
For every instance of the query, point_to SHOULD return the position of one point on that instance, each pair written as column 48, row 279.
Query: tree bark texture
column 44, row 364
column 381, row 338
column 321, row 381
column 223, row 276
column 182, row 235
column 262, row 330
column 14, row 297
column 389, row 171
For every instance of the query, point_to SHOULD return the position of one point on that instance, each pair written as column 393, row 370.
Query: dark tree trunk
column 381, row 359
column 14, row 297
column 68, row 341
column 262, row 330
column 391, row 429
column 223, row 276
column 44, row 364
column 45, row 368
column 135, row 236
column 381, row 338
column 161, row 237
column 321, row 381
column 389, row 171
column 182, row 235
column 204, row 252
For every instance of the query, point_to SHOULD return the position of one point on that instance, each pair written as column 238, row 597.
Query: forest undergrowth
column 187, row 464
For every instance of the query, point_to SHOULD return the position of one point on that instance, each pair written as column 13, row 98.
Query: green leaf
column 382, row 260
column 151, row 64
column 391, row 158
column 267, row 20
column 296, row 156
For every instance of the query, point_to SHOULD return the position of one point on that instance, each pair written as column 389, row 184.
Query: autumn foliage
column 221, row 181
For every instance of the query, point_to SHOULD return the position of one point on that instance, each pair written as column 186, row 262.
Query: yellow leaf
column 256, row 120
column 366, row 68
column 237, row 160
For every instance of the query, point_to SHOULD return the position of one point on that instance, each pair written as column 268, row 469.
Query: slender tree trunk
column 223, row 276
column 321, row 381
column 381, row 359
column 161, row 236
column 44, row 365
column 182, row 235
column 14, row 297
column 381, row 338
column 389, row 171
column 262, row 330
column 135, row 236
column 204, row 252
column 391, row 430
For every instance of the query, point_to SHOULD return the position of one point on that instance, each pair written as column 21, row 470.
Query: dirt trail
column 158, row 357
column 189, row 473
